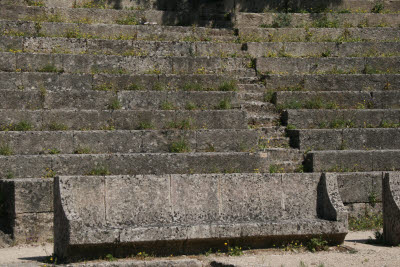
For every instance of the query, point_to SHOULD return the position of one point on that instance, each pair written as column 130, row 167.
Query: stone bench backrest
column 147, row 200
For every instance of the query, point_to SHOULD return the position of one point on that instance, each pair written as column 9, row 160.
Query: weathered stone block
column 201, row 210
column 391, row 208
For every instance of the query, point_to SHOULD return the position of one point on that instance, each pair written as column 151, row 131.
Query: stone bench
column 391, row 208
column 164, row 214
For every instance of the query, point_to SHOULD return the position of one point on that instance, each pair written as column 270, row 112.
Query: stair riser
column 303, row 119
column 97, row 100
column 199, row 49
column 310, row 20
column 124, row 65
column 347, row 139
column 318, row 35
column 30, row 143
column 239, row 5
column 115, row 32
column 333, row 82
column 328, row 65
column 45, row 166
column 352, row 161
column 325, row 49
column 125, row 120
column 87, row 82
column 334, row 100
column 354, row 5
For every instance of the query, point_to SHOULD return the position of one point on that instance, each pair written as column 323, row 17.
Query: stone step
column 115, row 32
column 336, row 35
column 356, row 6
column 126, row 100
column 331, row 82
column 117, row 82
column 110, row 16
column 258, row 107
column 124, row 65
column 337, row 100
column 371, row 118
column 316, row 20
column 345, row 139
column 274, row 131
column 226, row 6
column 58, row 45
column 353, row 160
column 346, row 65
column 323, row 49
column 273, row 142
column 255, row 87
column 22, row 120
column 48, row 166
column 140, row 141
column 250, row 96
column 257, row 120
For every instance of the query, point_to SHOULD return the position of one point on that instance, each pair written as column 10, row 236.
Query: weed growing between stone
column 49, row 173
column 224, row 104
column 99, row 171
column 19, row 127
column 54, row 126
column 145, row 125
column 35, row 3
column 6, row 150
column 368, row 221
column 179, row 147
column 187, row 124
column 50, row 68
column 102, row 4
column 115, row 104
column 83, row 150
column 378, row 7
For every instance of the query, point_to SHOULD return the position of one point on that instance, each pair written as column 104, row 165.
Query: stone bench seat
column 165, row 214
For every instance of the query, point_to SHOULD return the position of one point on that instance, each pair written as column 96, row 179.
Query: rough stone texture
column 306, row 119
column 360, row 210
column 344, row 139
column 360, row 187
column 391, row 208
column 353, row 160
column 192, row 207
column 126, row 119
column 46, row 166
column 28, row 209
column 317, row 34
column 333, row 82
column 257, row 19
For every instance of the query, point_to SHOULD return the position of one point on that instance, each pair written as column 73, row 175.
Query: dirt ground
column 354, row 252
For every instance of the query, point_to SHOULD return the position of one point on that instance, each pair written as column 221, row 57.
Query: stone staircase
column 173, row 87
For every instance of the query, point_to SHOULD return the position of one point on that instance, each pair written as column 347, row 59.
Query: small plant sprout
column 99, row 171
column 49, row 173
column 224, row 104
column 82, row 150
column 228, row 86
column 115, row 104
column 54, row 126
column 53, row 151
column 6, row 150
column 179, row 147
column 110, row 257
column 317, row 244
column 145, row 125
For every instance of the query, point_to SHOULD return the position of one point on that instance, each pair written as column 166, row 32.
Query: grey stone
column 391, row 211
column 173, row 208
column 353, row 160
